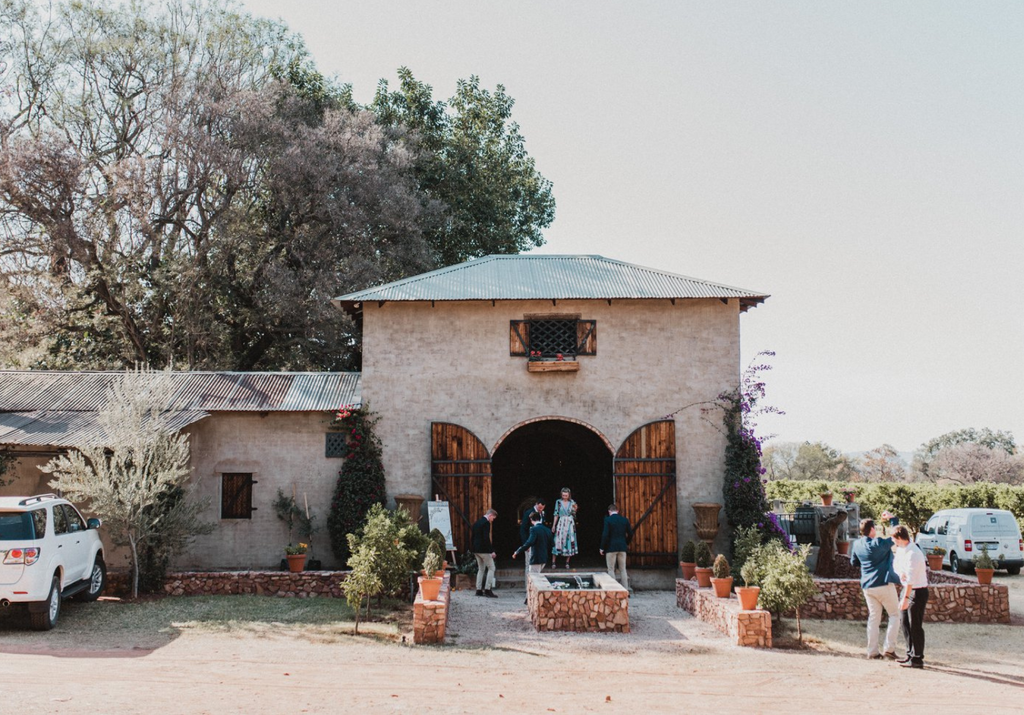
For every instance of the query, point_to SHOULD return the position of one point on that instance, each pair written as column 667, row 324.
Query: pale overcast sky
column 861, row 162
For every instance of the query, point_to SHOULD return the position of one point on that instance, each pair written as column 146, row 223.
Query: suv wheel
column 47, row 618
column 97, row 580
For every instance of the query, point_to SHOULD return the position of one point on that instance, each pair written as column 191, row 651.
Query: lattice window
column 546, row 338
column 335, row 445
column 236, row 496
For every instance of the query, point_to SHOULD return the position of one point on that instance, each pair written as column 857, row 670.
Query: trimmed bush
column 720, row 569
column 686, row 553
column 702, row 555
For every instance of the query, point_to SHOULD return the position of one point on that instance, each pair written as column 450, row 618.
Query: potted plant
column 934, row 557
column 296, row 556
column 702, row 557
column 466, row 572
column 437, row 537
column 849, row 494
column 721, row 579
column 843, row 546
column 826, row 498
column 984, row 566
column 438, row 572
column 430, row 586
column 751, row 575
column 686, row 560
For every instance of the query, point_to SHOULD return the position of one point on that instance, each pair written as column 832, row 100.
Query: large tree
column 956, row 446
column 807, row 461
column 472, row 160
column 180, row 186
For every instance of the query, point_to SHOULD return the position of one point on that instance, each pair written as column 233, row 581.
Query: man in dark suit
column 537, row 546
column 524, row 530
column 614, row 542
column 484, row 553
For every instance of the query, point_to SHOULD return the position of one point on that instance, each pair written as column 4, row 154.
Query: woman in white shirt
column 909, row 565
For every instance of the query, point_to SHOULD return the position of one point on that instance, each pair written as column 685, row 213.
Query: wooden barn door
column 460, row 473
column 645, row 491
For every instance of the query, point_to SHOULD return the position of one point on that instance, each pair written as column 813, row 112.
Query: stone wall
column 952, row 598
column 303, row 584
column 430, row 618
column 450, row 362
column 745, row 628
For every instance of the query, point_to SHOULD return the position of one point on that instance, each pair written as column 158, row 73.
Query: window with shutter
column 547, row 338
column 236, row 496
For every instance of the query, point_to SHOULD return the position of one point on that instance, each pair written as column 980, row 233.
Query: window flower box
column 552, row 366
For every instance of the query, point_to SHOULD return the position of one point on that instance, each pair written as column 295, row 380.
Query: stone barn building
column 506, row 378
column 496, row 381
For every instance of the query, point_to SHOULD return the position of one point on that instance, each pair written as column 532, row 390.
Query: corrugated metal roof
column 52, row 391
column 547, row 277
column 70, row 428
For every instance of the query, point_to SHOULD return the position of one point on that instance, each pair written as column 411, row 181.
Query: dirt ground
column 495, row 662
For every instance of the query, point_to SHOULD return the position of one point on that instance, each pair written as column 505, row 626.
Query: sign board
column 440, row 518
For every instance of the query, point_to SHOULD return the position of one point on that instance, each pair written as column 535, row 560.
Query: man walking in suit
column 484, row 553
column 614, row 542
column 878, row 582
column 524, row 531
column 537, row 546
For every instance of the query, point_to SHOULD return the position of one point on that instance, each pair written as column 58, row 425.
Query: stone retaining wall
column 745, row 628
column 302, row 584
column 430, row 618
column 952, row 598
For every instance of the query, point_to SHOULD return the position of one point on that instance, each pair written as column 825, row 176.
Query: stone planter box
column 744, row 628
column 601, row 609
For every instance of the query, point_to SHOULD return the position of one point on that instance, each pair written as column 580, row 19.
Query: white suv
column 47, row 552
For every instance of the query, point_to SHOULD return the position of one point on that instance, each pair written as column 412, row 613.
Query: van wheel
column 954, row 563
column 47, row 618
column 97, row 580
column 1013, row 570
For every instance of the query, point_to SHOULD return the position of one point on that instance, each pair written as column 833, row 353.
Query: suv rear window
column 22, row 525
column 998, row 524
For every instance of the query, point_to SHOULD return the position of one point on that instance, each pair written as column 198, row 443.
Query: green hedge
column 912, row 503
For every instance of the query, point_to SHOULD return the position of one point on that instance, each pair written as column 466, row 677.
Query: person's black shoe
column 912, row 664
column 525, row 601
column 490, row 594
column 901, row 661
column 479, row 592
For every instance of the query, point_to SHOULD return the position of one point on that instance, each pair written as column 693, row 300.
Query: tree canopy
column 180, row 186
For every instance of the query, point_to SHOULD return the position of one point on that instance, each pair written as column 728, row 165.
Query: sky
column 863, row 163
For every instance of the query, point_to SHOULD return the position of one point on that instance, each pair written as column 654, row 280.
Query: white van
column 963, row 533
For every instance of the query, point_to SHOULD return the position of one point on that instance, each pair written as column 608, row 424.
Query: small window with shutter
column 547, row 338
column 236, row 495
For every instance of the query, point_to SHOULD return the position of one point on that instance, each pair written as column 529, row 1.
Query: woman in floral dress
column 564, row 529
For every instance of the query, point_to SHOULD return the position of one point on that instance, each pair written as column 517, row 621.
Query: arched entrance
column 537, row 460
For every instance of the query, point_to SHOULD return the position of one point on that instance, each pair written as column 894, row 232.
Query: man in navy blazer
column 524, row 531
column 614, row 542
column 878, row 582
column 484, row 553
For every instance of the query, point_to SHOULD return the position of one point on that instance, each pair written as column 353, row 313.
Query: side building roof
column 547, row 277
column 59, row 408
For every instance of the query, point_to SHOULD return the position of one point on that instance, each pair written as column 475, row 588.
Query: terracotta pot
column 430, row 588
column 748, row 597
column 826, row 500
column 463, row 582
column 843, row 547
column 296, row 562
column 687, row 567
column 934, row 561
column 703, row 577
column 722, row 586
column 984, row 575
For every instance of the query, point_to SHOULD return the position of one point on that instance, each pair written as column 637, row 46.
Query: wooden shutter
column 460, row 472
column 586, row 337
column 236, row 496
column 645, row 491
column 519, row 337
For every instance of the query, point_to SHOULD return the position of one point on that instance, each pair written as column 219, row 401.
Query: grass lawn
column 150, row 623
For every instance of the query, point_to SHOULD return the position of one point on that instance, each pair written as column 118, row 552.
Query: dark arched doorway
column 537, row 460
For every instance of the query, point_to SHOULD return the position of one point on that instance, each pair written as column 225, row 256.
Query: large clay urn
column 707, row 521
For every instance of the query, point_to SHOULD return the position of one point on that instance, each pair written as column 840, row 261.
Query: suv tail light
column 1020, row 543
column 968, row 546
column 22, row 556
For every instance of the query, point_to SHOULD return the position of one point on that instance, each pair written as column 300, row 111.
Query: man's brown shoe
column 890, row 655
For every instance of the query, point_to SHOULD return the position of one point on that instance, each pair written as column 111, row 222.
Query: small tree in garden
column 745, row 540
column 135, row 481
column 381, row 534
column 364, row 581
column 686, row 554
column 361, row 481
column 785, row 582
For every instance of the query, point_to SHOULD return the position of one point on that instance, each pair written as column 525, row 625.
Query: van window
column 22, row 525
column 994, row 524
column 941, row 529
